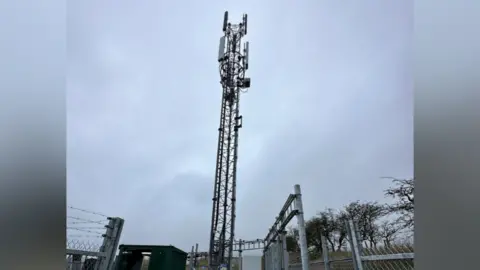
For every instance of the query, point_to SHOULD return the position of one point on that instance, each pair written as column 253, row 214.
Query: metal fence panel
column 86, row 254
column 385, row 257
column 388, row 258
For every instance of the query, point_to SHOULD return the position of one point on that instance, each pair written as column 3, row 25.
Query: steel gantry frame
column 233, row 61
column 274, row 244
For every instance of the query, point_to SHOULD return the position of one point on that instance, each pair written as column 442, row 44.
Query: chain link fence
column 81, row 255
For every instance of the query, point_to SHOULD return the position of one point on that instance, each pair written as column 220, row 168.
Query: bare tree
column 402, row 192
column 341, row 229
column 365, row 215
column 325, row 223
column 371, row 214
column 329, row 226
column 387, row 231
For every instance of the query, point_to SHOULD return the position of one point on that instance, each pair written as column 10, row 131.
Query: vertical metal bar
column 115, row 241
column 301, row 228
column 102, row 263
column 359, row 240
column 240, row 260
column 272, row 256
column 325, row 252
column 355, row 245
column 195, row 259
column 269, row 253
column 190, row 261
column 264, row 264
column 265, row 260
column 273, row 253
column 281, row 251
column 277, row 253
column 284, row 251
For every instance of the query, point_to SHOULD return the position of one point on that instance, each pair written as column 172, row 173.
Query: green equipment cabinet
column 137, row 257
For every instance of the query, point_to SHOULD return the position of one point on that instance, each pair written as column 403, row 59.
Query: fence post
column 301, row 228
column 265, row 260
column 195, row 260
column 279, row 253
column 117, row 232
column 190, row 261
column 354, row 243
column 274, row 248
column 240, row 258
column 110, row 243
column 269, row 256
column 325, row 252
column 102, row 261
column 284, row 251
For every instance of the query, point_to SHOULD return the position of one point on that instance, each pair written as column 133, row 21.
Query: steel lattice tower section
column 233, row 60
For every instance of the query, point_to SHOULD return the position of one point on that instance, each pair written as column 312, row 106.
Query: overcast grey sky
column 330, row 108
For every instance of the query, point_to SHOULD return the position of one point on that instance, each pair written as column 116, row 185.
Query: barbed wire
column 87, row 211
column 85, row 221
column 85, row 229
column 71, row 236
column 88, row 228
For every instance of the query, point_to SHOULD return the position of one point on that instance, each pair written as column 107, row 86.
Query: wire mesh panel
column 382, row 257
column 398, row 257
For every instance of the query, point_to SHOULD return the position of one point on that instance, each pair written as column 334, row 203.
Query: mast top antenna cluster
column 242, row 26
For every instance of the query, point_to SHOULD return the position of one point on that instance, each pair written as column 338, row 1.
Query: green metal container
column 139, row 257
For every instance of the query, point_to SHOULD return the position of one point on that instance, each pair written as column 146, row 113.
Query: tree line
column 378, row 224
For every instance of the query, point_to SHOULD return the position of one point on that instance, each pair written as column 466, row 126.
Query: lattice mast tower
column 233, row 60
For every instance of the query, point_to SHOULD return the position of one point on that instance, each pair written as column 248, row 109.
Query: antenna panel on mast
column 225, row 21
column 246, row 55
column 245, row 24
column 221, row 49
